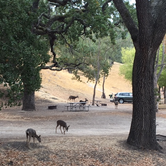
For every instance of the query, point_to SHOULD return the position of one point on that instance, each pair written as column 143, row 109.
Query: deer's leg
column 64, row 130
column 28, row 141
column 26, row 137
column 33, row 141
column 29, row 138
column 56, row 129
column 61, row 129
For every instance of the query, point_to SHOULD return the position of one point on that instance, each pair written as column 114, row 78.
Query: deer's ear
column 39, row 135
column 68, row 126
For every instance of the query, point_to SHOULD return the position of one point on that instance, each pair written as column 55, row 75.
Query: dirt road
column 103, row 120
column 97, row 137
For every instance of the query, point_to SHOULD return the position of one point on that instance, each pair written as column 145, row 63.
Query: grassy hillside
column 60, row 85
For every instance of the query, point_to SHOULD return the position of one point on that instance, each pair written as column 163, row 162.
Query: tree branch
column 60, row 2
column 159, row 22
column 58, row 25
column 125, row 14
column 35, row 5
column 58, row 68
column 105, row 5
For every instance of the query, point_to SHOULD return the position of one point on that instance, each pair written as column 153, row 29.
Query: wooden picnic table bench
column 79, row 106
column 97, row 102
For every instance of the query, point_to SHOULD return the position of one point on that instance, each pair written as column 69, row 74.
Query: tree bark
column 164, row 95
column 28, row 100
column 143, row 126
column 146, row 36
column 156, row 89
column 103, row 91
column 97, row 76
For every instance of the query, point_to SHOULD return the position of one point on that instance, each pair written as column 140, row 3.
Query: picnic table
column 97, row 102
column 78, row 106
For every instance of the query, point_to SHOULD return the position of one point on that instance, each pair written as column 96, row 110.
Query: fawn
column 32, row 133
column 116, row 104
column 63, row 124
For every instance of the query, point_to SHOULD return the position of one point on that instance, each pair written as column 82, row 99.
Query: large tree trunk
column 147, row 35
column 156, row 96
column 143, row 126
column 28, row 100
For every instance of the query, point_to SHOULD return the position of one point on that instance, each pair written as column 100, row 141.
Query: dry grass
column 78, row 151
column 60, row 85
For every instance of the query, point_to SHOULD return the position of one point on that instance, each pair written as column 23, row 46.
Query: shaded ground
column 97, row 137
column 78, row 151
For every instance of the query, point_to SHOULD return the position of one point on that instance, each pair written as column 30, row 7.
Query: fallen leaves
column 74, row 151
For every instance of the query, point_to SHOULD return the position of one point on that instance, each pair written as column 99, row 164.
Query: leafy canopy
column 126, row 69
column 71, row 19
column 22, row 52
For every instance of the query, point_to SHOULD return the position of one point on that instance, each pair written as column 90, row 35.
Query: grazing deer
column 116, row 104
column 82, row 103
column 73, row 97
column 32, row 133
column 63, row 124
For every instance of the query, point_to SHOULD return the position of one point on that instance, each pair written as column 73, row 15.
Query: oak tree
column 22, row 53
column 147, row 36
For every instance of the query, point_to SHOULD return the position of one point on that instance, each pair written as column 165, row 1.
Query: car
column 122, row 97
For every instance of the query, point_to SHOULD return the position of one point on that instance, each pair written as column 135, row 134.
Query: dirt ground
column 101, row 120
column 96, row 137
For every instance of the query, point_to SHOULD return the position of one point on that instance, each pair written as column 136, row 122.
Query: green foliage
column 128, row 55
column 89, row 18
column 91, row 21
column 94, row 58
column 157, row 94
column 162, row 78
column 22, row 52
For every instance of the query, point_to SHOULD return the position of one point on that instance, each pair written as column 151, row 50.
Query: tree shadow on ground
column 21, row 145
column 161, row 139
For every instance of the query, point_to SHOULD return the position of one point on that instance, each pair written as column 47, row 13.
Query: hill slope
column 59, row 85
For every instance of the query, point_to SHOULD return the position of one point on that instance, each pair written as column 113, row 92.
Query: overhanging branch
column 67, row 66
column 59, row 25
column 125, row 14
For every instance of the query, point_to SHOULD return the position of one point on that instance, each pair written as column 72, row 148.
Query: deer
column 116, row 104
column 73, row 97
column 82, row 103
column 63, row 124
column 32, row 133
